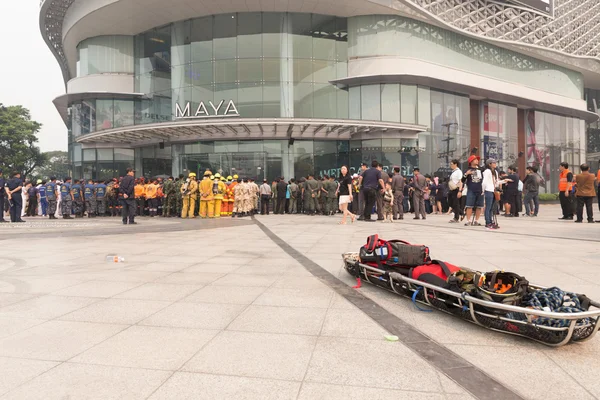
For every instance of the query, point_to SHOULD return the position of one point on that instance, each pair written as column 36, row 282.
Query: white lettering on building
column 213, row 111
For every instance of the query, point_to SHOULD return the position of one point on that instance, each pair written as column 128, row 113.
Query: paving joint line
column 476, row 381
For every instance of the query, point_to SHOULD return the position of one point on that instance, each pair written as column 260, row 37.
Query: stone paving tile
column 225, row 294
column 351, row 324
column 190, row 278
column 16, row 371
column 116, row 311
column 148, row 347
column 321, row 391
column 212, row 267
column 301, row 321
column 35, row 285
column 246, row 280
column 526, row 375
column 130, row 276
column 337, row 360
column 11, row 298
column 168, row 266
column 45, row 307
column 10, row 326
column 192, row 315
column 263, row 355
column 268, row 270
column 82, row 382
column 314, row 298
column 56, row 340
column 581, row 362
column 187, row 386
column 96, row 289
column 159, row 291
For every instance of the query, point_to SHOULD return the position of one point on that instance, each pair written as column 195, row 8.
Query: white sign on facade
column 202, row 111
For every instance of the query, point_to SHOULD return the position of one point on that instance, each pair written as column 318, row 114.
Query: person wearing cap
column 100, row 190
column 419, row 184
column 188, row 194
column 206, row 196
column 294, row 193
column 127, row 196
column 89, row 194
column 51, row 196
column 490, row 184
column 472, row 179
column 254, row 194
column 13, row 190
column 151, row 192
column 218, row 193
column 66, row 198
column 238, row 193
column 398, row 191
column 231, row 189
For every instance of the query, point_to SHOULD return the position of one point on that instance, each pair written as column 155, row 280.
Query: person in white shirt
column 455, row 194
column 265, row 195
column 489, row 184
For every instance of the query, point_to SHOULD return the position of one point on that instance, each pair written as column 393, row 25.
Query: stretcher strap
column 414, row 300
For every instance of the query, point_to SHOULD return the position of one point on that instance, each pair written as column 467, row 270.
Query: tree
column 57, row 165
column 18, row 138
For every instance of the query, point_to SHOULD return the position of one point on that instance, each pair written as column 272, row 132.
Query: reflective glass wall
column 100, row 163
column 94, row 115
column 388, row 35
column 105, row 54
column 552, row 139
column 499, row 134
column 269, row 64
column 593, row 129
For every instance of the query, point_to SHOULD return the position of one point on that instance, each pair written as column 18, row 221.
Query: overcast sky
column 29, row 73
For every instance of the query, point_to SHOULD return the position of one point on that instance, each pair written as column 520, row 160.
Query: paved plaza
column 262, row 309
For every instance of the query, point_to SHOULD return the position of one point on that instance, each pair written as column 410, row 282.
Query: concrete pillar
column 178, row 34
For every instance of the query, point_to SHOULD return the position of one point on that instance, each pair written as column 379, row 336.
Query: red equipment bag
column 435, row 273
column 393, row 253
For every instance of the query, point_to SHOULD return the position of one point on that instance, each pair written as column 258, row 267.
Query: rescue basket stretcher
column 514, row 320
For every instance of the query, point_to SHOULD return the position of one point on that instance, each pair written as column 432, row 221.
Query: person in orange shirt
column 151, row 196
column 140, row 193
column 231, row 189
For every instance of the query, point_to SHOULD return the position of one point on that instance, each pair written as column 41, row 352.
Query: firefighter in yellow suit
column 188, row 193
column 231, row 188
column 206, row 196
column 220, row 192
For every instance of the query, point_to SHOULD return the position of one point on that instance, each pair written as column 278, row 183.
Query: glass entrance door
column 246, row 165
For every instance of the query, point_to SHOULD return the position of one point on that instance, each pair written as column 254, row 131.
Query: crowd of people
column 463, row 194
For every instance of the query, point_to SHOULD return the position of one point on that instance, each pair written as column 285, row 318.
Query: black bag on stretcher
column 393, row 253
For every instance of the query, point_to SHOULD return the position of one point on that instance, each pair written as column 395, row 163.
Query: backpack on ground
column 393, row 253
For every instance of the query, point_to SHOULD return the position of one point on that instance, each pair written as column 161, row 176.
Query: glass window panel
column 250, row 70
column 303, row 100
column 249, row 46
column 201, row 73
column 323, row 71
column 105, row 154
column 301, row 35
column 408, row 96
column 124, row 154
column 271, row 37
column 202, row 94
column 302, row 70
column 437, row 114
column 390, row 102
column 123, row 113
column 225, row 71
column 89, row 155
column 370, row 102
column 180, row 46
column 225, row 36
column 250, row 100
column 341, row 70
column 272, row 99
column 354, row 103
column 106, row 54
column 424, row 108
column 226, row 91
column 104, row 114
column 342, row 103
column 324, row 101
column 251, row 146
column 272, row 69
column 226, row 146
column 249, row 23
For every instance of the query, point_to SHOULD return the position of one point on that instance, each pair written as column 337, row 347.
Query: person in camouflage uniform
column 332, row 196
column 178, row 197
column 170, row 198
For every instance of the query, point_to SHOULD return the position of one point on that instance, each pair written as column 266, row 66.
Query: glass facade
column 269, row 64
column 552, row 139
column 499, row 134
column 105, row 54
column 388, row 35
column 593, row 130
column 100, row 163
column 94, row 115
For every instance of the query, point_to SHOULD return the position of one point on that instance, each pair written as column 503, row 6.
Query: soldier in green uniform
column 311, row 190
column 332, row 188
column 169, row 200
column 178, row 198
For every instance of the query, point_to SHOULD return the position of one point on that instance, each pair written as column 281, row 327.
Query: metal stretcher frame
column 475, row 307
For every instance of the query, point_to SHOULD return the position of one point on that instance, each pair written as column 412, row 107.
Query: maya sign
column 220, row 110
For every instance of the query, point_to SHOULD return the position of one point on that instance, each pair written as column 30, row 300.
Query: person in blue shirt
column 13, row 189
column 66, row 198
column 43, row 198
column 76, row 191
column 89, row 194
column 52, row 197
column 100, row 190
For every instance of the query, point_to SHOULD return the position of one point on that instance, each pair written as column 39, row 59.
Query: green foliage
column 57, row 165
column 18, row 138
column 548, row 196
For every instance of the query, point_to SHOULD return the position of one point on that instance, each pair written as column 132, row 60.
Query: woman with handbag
column 490, row 184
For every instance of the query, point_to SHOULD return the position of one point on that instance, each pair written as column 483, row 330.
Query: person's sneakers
column 380, row 219
column 468, row 224
column 491, row 227
column 591, row 221
column 133, row 223
column 561, row 218
column 416, row 218
column 578, row 221
column 369, row 220
column 453, row 221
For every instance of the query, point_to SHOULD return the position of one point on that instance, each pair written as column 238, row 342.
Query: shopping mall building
column 266, row 88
